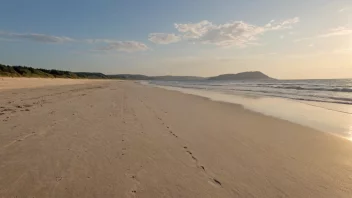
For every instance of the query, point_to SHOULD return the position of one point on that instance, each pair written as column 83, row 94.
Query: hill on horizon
column 252, row 75
column 23, row 71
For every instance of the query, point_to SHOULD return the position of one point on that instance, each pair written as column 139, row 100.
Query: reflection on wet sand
column 332, row 118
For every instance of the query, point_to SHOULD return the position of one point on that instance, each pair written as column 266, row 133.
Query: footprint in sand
column 212, row 180
column 217, row 182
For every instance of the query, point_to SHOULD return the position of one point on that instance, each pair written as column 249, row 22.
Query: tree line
column 24, row 71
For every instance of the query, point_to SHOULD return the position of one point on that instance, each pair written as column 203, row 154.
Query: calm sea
column 327, row 91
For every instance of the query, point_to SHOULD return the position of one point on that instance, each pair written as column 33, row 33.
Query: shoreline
column 297, row 113
column 123, row 139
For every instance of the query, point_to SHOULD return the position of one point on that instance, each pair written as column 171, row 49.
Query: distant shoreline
column 23, row 71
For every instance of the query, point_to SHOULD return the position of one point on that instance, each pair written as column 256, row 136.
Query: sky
column 298, row 39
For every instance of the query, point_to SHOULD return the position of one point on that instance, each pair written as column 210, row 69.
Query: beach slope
column 123, row 139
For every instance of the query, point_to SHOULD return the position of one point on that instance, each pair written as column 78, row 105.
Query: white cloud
column 302, row 39
column 236, row 33
column 96, row 41
column 286, row 24
column 110, row 45
column 162, row 38
column 124, row 46
column 93, row 41
column 343, row 10
column 37, row 37
column 340, row 31
column 343, row 51
column 194, row 30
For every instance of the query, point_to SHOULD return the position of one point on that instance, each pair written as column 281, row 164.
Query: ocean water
column 328, row 91
column 325, row 105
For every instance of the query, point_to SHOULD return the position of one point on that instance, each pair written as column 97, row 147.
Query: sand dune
column 122, row 139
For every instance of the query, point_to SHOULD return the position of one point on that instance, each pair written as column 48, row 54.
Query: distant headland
column 23, row 71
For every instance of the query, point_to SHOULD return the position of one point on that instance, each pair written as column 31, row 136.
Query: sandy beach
column 86, row 138
column 18, row 83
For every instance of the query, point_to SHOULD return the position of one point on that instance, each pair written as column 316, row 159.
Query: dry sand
column 122, row 139
column 7, row 83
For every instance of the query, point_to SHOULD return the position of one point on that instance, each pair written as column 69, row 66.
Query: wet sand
column 123, row 139
column 326, row 117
